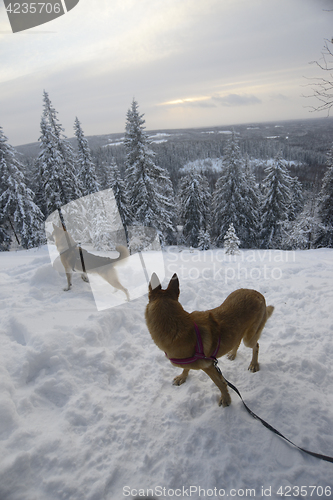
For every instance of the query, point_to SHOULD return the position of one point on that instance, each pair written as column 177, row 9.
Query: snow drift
column 88, row 410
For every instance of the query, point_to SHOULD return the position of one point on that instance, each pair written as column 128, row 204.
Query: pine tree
column 17, row 208
column 58, row 181
column 325, row 205
column 275, row 204
column 231, row 241
column 234, row 199
column 84, row 164
column 148, row 185
column 194, row 202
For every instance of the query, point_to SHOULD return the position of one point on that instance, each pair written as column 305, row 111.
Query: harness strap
column 199, row 351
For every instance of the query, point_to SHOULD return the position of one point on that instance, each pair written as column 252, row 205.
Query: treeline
column 307, row 162
column 164, row 186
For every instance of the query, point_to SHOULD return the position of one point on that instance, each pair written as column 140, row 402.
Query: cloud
column 279, row 97
column 232, row 100
column 229, row 100
column 201, row 102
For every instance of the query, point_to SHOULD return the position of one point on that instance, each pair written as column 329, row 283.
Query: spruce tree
column 204, row 242
column 17, row 208
column 232, row 199
column 275, row 203
column 251, row 195
column 115, row 181
column 194, row 202
column 325, row 205
column 51, row 193
column 297, row 199
column 231, row 241
column 302, row 232
column 84, row 164
column 148, row 185
column 58, row 180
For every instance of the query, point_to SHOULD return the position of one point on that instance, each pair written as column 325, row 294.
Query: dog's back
column 241, row 316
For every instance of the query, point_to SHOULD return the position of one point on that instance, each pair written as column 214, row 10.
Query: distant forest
column 305, row 143
column 267, row 183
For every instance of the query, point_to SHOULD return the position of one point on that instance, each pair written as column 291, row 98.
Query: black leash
column 82, row 260
column 317, row 455
column 70, row 246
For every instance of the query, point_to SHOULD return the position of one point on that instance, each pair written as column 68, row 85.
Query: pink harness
column 199, row 352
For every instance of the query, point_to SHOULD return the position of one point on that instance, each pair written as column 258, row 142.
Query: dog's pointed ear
column 154, row 283
column 174, row 285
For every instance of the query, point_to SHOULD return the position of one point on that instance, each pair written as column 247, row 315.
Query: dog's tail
column 269, row 311
column 123, row 253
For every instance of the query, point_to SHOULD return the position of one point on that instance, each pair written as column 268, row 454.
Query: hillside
column 88, row 410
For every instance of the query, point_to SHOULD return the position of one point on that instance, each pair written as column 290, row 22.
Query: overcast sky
column 188, row 63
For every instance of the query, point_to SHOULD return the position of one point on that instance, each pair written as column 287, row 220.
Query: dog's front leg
column 69, row 281
column 218, row 379
column 181, row 378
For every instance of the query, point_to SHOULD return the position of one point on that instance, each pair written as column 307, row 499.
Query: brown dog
column 241, row 316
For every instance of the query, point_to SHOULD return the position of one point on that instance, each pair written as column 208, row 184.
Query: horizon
column 148, row 131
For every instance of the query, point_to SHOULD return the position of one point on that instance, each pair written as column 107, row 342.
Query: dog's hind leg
column 232, row 354
column 112, row 279
column 252, row 342
column 181, row 378
column 218, row 379
column 254, row 365
column 119, row 286
column 251, row 339
column 85, row 278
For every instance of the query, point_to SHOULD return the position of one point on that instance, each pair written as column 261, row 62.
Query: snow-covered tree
column 231, row 241
column 251, row 195
column 302, row 232
column 297, row 199
column 51, row 192
column 84, row 165
column 194, row 203
column 115, row 181
column 325, row 205
column 58, row 181
column 149, row 187
column 234, row 198
column 275, row 203
column 4, row 239
column 17, row 208
column 204, row 242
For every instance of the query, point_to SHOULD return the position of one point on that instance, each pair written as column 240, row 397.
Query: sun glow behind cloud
column 188, row 63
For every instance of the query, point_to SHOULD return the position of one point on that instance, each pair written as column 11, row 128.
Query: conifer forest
column 255, row 186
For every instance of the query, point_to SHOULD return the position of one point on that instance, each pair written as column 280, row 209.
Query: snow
column 88, row 410
column 118, row 143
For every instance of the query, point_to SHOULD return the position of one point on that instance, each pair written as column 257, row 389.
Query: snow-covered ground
column 88, row 410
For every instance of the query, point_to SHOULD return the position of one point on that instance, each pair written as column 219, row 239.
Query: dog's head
column 156, row 291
